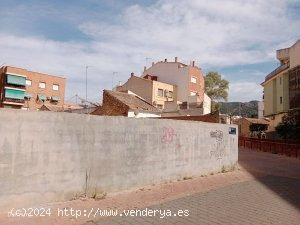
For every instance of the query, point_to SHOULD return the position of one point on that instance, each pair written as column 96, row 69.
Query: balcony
column 14, row 96
column 14, row 79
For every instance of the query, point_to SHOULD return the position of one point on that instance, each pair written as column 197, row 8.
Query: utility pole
column 86, row 71
column 147, row 60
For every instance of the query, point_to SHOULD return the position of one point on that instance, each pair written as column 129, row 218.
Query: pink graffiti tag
column 168, row 135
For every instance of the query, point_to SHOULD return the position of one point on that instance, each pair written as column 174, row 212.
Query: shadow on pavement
column 278, row 173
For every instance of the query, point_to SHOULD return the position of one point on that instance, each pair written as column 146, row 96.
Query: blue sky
column 234, row 37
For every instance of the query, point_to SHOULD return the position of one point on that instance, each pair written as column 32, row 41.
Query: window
column 170, row 95
column 280, row 80
column 193, row 93
column 55, row 87
column 194, row 80
column 28, row 82
column 42, row 85
column 159, row 106
column 160, row 92
column 15, row 80
column 280, row 100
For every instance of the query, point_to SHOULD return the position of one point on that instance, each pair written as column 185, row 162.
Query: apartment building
column 153, row 91
column 24, row 89
column 189, row 79
column 282, row 86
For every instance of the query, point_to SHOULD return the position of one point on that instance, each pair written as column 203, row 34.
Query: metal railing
column 282, row 147
column 277, row 70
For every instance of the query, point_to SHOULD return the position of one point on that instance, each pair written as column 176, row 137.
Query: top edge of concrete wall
column 18, row 111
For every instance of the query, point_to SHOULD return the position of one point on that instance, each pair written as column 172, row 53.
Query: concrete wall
column 47, row 156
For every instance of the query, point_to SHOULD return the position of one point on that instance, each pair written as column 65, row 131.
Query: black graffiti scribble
column 218, row 134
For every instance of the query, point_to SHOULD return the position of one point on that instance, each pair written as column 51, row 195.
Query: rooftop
column 133, row 101
column 43, row 74
column 275, row 72
column 258, row 121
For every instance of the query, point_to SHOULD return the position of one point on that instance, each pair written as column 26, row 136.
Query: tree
column 289, row 128
column 216, row 88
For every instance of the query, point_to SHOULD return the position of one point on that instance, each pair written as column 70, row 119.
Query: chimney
column 145, row 68
column 152, row 63
column 132, row 74
column 166, row 60
column 193, row 63
column 176, row 59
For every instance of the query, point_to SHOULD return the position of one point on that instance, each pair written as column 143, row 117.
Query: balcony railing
column 15, row 86
column 13, row 101
column 277, row 70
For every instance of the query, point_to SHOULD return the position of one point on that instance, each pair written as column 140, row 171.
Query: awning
column 42, row 97
column 28, row 95
column 14, row 94
column 17, row 80
column 55, row 98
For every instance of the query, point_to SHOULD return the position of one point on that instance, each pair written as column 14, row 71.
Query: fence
column 288, row 148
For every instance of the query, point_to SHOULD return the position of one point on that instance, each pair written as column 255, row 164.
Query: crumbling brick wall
column 111, row 107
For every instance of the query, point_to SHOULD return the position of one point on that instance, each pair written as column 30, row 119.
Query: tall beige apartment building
column 171, row 86
column 24, row 89
column 282, row 85
column 189, row 79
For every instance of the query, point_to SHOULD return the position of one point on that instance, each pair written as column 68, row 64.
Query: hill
column 246, row 109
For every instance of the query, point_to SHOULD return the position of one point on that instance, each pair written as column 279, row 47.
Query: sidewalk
column 212, row 191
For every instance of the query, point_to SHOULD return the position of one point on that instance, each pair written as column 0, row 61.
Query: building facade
column 189, row 79
column 282, row 86
column 244, row 125
column 153, row 91
column 23, row 89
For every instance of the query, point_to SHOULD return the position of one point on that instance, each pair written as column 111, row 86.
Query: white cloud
column 245, row 91
column 214, row 33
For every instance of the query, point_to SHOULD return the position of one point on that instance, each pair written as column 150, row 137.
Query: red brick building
column 23, row 89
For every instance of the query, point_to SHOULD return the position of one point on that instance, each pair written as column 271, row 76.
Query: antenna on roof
column 147, row 58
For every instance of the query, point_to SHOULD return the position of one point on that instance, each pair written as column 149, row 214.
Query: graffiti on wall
column 218, row 149
column 169, row 135
column 218, row 134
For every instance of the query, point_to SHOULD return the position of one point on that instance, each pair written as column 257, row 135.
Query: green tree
column 289, row 128
column 216, row 88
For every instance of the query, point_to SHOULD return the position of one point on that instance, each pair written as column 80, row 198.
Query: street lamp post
column 86, row 71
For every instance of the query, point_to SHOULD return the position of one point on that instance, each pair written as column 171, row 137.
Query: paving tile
column 269, row 200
